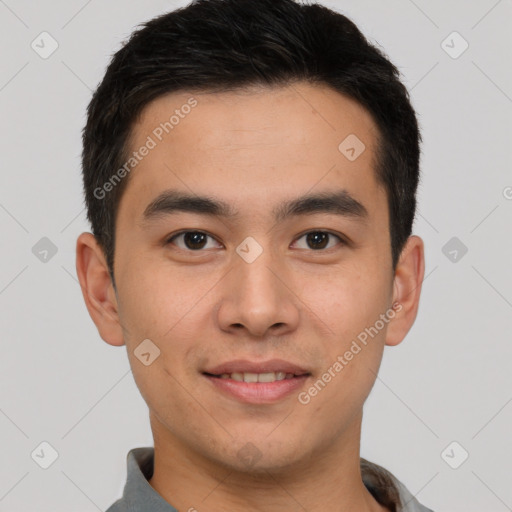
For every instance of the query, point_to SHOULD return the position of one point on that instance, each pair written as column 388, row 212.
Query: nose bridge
column 256, row 273
column 255, row 296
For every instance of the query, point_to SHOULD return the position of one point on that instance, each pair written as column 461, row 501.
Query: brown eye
column 318, row 240
column 191, row 240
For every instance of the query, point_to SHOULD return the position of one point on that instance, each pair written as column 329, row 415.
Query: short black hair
column 227, row 45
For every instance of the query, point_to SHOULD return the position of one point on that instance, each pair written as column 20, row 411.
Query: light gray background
column 450, row 380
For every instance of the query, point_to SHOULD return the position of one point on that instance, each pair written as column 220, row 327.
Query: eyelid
column 170, row 238
column 340, row 237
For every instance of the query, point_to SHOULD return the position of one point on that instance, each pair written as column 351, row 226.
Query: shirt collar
column 138, row 495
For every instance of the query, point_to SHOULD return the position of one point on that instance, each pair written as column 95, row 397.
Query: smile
column 256, row 377
column 257, row 388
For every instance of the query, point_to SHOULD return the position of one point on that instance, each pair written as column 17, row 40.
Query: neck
column 326, row 480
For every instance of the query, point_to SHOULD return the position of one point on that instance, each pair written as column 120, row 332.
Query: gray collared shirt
column 139, row 496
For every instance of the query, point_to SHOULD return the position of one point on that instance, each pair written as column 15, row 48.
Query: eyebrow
column 339, row 203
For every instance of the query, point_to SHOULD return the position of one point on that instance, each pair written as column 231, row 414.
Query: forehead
column 252, row 145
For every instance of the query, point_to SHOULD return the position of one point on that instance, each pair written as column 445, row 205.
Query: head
column 298, row 150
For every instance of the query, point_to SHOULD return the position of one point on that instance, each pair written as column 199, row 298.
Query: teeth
column 257, row 377
column 250, row 377
column 267, row 377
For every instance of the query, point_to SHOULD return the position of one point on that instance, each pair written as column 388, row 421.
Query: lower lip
column 258, row 392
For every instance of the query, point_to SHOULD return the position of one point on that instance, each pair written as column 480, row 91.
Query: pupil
column 317, row 237
column 193, row 238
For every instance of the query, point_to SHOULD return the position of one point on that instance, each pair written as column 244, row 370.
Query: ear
column 97, row 289
column 406, row 290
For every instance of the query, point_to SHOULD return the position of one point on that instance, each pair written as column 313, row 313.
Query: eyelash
column 176, row 235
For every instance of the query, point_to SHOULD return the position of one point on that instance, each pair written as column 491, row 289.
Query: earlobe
column 406, row 290
column 97, row 289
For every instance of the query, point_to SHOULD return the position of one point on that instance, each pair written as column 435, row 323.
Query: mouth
column 256, row 377
column 258, row 387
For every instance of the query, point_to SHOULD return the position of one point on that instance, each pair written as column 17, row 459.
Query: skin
column 254, row 150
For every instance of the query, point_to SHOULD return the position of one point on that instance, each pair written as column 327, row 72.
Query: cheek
column 166, row 393
column 352, row 308
column 350, row 300
column 154, row 301
column 163, row 307
column 164, row 383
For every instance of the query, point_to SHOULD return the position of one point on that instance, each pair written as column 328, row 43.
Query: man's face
column 254, row 286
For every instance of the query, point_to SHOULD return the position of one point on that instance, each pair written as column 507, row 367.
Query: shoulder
column 388, row 490
column 408, row 501
column 118, row 506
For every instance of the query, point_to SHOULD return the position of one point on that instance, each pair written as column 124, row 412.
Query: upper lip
column 245, row 366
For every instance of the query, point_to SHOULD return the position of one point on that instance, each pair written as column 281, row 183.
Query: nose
column 258, row 297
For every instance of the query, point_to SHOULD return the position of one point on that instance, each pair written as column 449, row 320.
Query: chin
column 262, row 458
